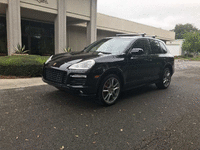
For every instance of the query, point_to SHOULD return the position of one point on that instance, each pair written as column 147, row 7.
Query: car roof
column 134, row 37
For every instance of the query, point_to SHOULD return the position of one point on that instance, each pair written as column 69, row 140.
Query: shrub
column 67, row 50
column 191, row 44
column 20, row 50
column 26, row 65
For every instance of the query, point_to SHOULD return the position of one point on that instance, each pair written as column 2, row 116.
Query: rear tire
column 165, row 79
column 109, row 90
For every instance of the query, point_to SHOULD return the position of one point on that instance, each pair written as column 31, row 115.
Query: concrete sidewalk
column 19, row 83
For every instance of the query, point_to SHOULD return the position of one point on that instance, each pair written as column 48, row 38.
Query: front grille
column 65, row 79
column 54, row 75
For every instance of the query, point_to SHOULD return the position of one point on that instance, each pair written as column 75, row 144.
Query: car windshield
column 110, row 46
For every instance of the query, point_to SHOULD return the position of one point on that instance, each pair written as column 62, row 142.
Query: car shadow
column 138, row 91
column 136, row 94
column 71, row 100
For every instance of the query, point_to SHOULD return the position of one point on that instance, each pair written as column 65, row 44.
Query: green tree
column 181, row 29
column 191, row 44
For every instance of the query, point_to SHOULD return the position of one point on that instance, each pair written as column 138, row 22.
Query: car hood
column 65, row 60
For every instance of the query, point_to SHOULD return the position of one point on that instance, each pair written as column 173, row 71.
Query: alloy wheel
column 167, row 78
column 111, row 90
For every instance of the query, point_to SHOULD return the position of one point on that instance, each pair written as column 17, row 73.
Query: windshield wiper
column 103, row 52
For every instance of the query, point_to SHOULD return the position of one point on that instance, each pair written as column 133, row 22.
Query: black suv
column 111, row 65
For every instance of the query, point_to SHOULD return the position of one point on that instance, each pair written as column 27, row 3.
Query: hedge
column 22, row 65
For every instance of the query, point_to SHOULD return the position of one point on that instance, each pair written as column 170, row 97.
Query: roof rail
column 153, row 36
column 136, row 34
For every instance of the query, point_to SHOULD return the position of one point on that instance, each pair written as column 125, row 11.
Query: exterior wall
column 179, row 42
column 175, row 47
column 76, row 38
column 78, row 9
column 102, row 34
column 114, row 24
column 4, row 1
column 75, row 8
column 49, row 6
column 37, row 15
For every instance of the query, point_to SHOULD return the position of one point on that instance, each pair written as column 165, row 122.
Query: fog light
column 78, row 76
column 81, row 92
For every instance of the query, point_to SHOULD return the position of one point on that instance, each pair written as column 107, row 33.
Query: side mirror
column 137, row 51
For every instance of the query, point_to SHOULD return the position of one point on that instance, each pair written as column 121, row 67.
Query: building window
column 38, row 37
column 3, row 36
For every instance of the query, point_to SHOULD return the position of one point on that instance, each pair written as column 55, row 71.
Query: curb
column 20, row 83
column 180, row 60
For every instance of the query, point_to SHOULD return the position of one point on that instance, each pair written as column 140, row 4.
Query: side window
column 163, row 47
column 142, row 43
column 155, row 47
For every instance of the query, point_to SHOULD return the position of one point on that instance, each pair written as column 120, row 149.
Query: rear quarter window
column 157, row 47
column 163, row 47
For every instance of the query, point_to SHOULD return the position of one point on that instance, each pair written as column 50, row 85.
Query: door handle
column 133, row 57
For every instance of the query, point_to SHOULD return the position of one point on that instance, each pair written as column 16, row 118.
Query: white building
column 49, row 26
column 175, row 47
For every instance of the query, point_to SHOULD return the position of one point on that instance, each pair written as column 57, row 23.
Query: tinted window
column 142, row 43
column 38, row 37
column 163, row 47
column 113, row 45
column 155, row 47
column 3, row 35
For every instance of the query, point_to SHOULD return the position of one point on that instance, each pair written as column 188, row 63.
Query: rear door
column 157, row 57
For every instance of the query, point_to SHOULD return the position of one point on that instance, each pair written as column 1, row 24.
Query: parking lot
column 41, row 117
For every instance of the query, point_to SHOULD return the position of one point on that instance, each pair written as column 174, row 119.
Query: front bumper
column 74, row 89
column 79, row 83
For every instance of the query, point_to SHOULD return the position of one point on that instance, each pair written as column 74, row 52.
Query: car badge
column 54, row 64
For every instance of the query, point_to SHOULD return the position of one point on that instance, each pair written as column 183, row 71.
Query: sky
column 163, row 14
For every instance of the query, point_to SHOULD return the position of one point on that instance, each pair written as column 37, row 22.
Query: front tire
column 109, row 90
column 165, row 79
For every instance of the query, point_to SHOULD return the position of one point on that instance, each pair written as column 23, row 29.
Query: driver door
column 138, row 64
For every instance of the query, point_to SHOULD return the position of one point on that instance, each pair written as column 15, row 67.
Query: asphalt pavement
column 38, row 116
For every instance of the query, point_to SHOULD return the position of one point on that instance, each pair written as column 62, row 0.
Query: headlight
column 48, row 59
column 83, row 65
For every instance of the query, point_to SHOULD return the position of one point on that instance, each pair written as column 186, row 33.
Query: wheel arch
column 114, row 71
column 170, row 67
